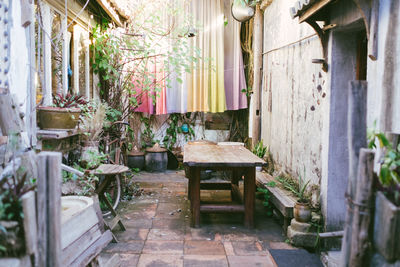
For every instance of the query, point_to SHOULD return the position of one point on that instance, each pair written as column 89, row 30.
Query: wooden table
column 109, row 171
column 235, row 158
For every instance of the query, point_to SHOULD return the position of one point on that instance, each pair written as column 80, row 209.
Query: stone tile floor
column 159, row 233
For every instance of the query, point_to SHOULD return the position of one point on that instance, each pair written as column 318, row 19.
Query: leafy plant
column 68, row 101
column 93, row 122
column 94, row 159
column 299, row 188
column 147, row 136
column 175, row 127
column 267, row 197
column 389, row 174
column 260, row 150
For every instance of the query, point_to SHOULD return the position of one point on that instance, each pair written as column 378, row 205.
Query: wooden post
column 249, row 196
column 357, row 130
column 373, row 32
column 49, row 209
column 256, row 96
column 362, row 217
column 195, row 195
column 30, row 225
column 46, row 21
column 10, row 120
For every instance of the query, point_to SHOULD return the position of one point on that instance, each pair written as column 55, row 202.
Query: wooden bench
column 282, row 200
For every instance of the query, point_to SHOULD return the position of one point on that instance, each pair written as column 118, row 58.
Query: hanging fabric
column 235, row 80
column 205, row 84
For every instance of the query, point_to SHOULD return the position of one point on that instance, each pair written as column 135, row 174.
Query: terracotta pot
column 302, row 212
column 52, row 118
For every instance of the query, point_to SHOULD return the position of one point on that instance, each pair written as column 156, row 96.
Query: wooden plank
column 362, row 217
column 86, row 219
column 73, row 250
column 114, row 261
column 25, row 261
column 357, row 139
column 386, row 228
column 96, row 206
column 88, row 255
column 219, row 156
column 228, row 208
column 313, row 9
column 110, row 169
column 10, row 121
column 52, row 134
column 49, row 208
column 30, row 226
column 110, row 11
column 215, row 186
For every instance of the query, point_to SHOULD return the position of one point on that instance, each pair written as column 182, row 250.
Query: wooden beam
column 313, row 9
column 110, row 11
column 215, row 208
column 256, row 96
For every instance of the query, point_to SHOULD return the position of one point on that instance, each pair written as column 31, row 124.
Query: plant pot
column 88, row 148
column 52, row 118
column 156, row 159
column 302, row 212
column 136, row 160
column 387, row 228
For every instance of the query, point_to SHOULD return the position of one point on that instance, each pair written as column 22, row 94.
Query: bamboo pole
column 357, row 139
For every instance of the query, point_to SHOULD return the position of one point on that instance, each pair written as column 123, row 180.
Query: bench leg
column 249, row 195
column 235, row 192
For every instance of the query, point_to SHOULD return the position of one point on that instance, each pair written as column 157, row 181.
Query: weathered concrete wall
column 383, row 74
column 19, row 59
column 294, row 95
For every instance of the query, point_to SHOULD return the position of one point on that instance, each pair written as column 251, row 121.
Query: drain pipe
column 331, row 234
column 256, row 96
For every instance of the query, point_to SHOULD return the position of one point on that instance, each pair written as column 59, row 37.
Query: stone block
column 301, row 239
column 300, row 226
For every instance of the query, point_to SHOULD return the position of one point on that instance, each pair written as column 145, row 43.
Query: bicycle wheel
column 113, row 195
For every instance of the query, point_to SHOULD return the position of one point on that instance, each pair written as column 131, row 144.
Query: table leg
column 249, row 195
column 113, row 212
column 195, row 196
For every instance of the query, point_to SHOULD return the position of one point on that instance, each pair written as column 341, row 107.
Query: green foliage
column 389, row 175
column 147, row 136
column 175, row 127
column 260, row 150
column 248, row 91
column 93, row 159
column 299, row 188
column 267, row 197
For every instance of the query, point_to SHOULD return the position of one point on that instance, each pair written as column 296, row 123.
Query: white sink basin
column 72, row 205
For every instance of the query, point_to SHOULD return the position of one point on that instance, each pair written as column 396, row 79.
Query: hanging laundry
column 235, row 80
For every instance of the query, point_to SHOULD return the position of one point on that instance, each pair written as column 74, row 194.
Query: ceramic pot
column 52, row 118
column 302, row 212
column 136, row 160
column 88, row 148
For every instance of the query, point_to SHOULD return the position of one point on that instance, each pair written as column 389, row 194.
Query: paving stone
column 137, row 223
column 280, row 245
column 203, row 233
column 162, row 223
column 166, row 234
column 129, row 260
column 163, row 247
column 157, row 260
column 229, row 248
column 132, row 234
column 205, row 261
column 134, row 247
column 198, row 247
column 249, row 249
column 250, row 261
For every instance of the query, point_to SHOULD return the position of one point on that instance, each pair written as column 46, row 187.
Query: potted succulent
column 63, row 115
column 260, row 150
column 302, row 208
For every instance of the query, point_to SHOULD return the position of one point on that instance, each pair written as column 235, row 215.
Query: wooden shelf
column 56, row 134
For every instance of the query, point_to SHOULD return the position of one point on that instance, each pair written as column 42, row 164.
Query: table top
column 110, row 169
column 219, row 156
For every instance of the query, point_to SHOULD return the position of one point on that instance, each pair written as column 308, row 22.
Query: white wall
column 292, row 87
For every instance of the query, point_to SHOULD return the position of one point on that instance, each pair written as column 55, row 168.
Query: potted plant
column 91, row 128
column 63, row 115
column 387, row 204
column 260, row 150
column 302, row 208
